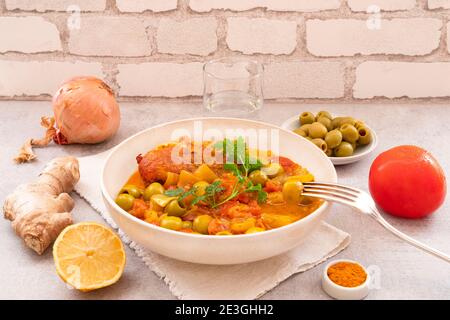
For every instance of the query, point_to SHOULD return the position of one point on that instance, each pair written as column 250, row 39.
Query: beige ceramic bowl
column 121, row 163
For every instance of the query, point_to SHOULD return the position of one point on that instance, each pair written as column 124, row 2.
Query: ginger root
column 40, row 210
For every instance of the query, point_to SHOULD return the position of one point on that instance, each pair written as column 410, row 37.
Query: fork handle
column 377, row 216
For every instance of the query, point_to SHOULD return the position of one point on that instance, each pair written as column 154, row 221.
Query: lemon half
column 89, row 256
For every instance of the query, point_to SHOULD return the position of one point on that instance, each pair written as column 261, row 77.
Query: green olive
column 201, row 223
column 317, row 130
column 365, row 136
column 359, row 123
column 300, row 132
column 186, row 225
column 258, row 177
column 174, row 209
column 172, row 223
column 161, row 199
column 325, row 114
column 224, row 233
column 326, row 122
column 305, row 201
column 131, row 190
column 321, row 144
column 306, row 117
column 336, row 122
column 254, row 230
column 347, row 120
column 152, row 189
column 305, row 128
column 292, row 190
column 329, row 152
column 164, row 215
column 272, row 169
column 349, row 133
column 151, row 215
column 201, row 187
column 240, row 225
column 333, row 138
column 345, row 149
column 125, row 201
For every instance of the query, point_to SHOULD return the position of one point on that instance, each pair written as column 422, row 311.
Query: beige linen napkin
column 195, row 281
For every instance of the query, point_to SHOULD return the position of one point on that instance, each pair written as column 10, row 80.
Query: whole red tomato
column 407, row 181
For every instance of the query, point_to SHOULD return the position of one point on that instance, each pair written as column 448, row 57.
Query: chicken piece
column 154, row 165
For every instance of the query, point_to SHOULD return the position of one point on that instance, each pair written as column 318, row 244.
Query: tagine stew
column 240, row 194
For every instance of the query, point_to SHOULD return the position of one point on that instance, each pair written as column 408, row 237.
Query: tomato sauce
column 234, row 206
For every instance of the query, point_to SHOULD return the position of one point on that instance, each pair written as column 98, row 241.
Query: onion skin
column 86, row 111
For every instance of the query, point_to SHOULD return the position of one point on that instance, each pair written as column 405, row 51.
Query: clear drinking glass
column 233, row 86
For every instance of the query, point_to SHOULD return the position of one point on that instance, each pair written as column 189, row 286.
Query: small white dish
column 345, row 293
column 360, row 152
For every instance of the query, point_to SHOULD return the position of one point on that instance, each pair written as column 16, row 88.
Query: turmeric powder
column 347, row 274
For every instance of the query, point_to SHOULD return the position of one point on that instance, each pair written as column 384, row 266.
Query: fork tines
column 333, row 186
column 332, row 192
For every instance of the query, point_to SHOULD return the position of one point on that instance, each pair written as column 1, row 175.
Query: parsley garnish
column 209, row 197
column 174, row 192
column 240, row 164
column 237, row 157
column 180, row 193
column 210, row 194
column 261, row 194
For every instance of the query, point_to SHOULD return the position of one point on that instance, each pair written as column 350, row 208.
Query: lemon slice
column 89, row 256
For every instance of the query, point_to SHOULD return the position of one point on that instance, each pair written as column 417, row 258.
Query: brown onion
column 85, row 111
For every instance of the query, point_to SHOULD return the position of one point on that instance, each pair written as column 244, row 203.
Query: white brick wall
column 304, row 80
column 28, row 34
column 33, row 78
column 439, row 4
column 194, row 36
column 160, row 79
column 384, row 5
column 448, row 37
column 312, row 49
column 276, row 5
column 110, row 36
column 55, row 5
column 261, row 35
column 143, row 5
column 341, row 37
column 402, row 79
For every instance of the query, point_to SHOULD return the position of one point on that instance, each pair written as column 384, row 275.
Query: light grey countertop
column 405, row 272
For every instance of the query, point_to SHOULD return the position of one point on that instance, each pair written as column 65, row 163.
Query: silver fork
column 363, row 202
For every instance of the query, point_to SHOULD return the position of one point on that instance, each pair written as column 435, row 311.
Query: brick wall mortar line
column 299, row 101
column 341, row 13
